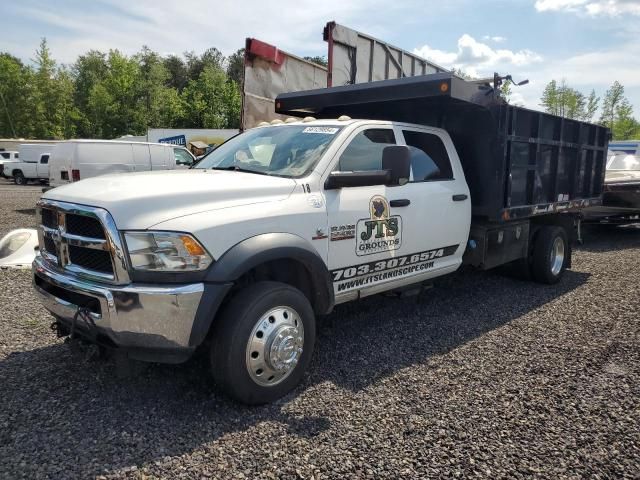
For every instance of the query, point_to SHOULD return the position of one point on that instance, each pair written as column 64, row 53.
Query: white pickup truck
column 277, row 225
column 33, row 163
column 7, row 157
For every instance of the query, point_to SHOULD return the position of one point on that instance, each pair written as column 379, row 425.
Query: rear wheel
column 262, row 342
column 550, row 254
column 18, row 178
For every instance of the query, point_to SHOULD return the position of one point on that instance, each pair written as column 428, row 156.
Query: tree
column 212, row 101
column 318, row 59
column 591, row 107
column 16, row 95
column 178, row 72
column 47, row 121
column 568, row 102
column 89, row 70
column 617, row 114
column 235, row 67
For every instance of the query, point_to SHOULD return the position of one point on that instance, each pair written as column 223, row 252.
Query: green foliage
column 318, row 59
column 235, row 67
column 617, row 114
column 568, row 102
column 106, row 95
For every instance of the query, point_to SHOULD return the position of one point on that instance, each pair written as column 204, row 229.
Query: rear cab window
column 429, row 158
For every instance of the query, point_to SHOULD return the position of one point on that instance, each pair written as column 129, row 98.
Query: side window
column 44, row 159
column 429, row 159
column 365, row 150
column 5, row 155
column 182, row 157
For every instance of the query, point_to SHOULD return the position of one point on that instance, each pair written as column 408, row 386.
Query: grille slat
column 97, row 260
column 84, row 226
column 50, row 246
column 49, row 218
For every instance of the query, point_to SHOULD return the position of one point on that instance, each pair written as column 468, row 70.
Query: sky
column 589, row 43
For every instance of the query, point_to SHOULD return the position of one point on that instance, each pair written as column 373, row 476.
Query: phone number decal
column 391, row 263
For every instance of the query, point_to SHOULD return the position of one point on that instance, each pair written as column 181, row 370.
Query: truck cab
column 5, row 158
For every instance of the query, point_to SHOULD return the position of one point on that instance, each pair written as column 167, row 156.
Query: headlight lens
column 166, row 252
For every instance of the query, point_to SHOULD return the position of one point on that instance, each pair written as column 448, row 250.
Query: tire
column 246, row 337
column 550, row 255
column 18, row 178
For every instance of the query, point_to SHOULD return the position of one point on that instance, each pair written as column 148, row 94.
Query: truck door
column 381, row 237
column 439, row 224
column 43, row 166
column 141, row 157
column 365, row 231
column 160, row 157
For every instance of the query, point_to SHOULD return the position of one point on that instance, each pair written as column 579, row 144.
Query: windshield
column 285, row 150
column 624, row 162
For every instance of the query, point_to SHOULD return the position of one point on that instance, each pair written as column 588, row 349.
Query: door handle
column 460, row 197
column 402, row 202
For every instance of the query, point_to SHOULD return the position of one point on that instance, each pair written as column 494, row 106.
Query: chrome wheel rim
column 275, row 346
column 557, row 256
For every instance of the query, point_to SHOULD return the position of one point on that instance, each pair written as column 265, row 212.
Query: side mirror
column 397, row 159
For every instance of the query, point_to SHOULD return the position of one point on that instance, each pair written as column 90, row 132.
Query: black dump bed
column 517, row 162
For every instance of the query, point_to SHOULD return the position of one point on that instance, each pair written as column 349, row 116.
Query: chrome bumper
column 133, row 316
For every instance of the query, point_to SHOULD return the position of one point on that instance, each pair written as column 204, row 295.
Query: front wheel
column 262, row 342
column 18, row 178
column 550, row 255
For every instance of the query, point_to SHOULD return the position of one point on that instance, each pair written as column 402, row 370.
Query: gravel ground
column 485, row 376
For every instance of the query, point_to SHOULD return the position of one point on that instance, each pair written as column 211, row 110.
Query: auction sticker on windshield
column 327, row 130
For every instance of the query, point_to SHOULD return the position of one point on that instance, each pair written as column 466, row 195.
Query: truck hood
column 141, row 200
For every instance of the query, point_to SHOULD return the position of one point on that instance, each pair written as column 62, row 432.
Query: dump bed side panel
column 552, row 163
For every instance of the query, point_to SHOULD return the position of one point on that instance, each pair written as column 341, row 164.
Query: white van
column 75, row 160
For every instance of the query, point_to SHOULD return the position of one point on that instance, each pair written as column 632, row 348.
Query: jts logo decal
column 381, row 232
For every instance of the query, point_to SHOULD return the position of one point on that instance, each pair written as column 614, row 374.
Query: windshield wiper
column 236, row 168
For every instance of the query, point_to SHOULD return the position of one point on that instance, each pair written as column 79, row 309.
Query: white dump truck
column 284, row 221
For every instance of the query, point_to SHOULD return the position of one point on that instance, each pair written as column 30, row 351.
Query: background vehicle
column 7, row 157
column 286, row 220
column 79, row 159
column 629, row 147
column 621, row 196
column 18, row 248
column 33, row 163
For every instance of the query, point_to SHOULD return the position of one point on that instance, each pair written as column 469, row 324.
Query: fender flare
column 267, row 247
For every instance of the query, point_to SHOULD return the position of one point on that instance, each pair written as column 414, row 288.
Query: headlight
column 166, row 252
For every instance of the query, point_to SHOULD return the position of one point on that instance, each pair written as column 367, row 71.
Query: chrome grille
column 91, row 259
column 81, row 240
column 84, row 226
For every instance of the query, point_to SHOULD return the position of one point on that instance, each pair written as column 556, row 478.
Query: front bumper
column 150, row 322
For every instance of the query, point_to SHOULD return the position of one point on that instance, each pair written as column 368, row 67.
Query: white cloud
column 182, row 26
column 611, row 8
column 478, row 59
column 496, row 39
